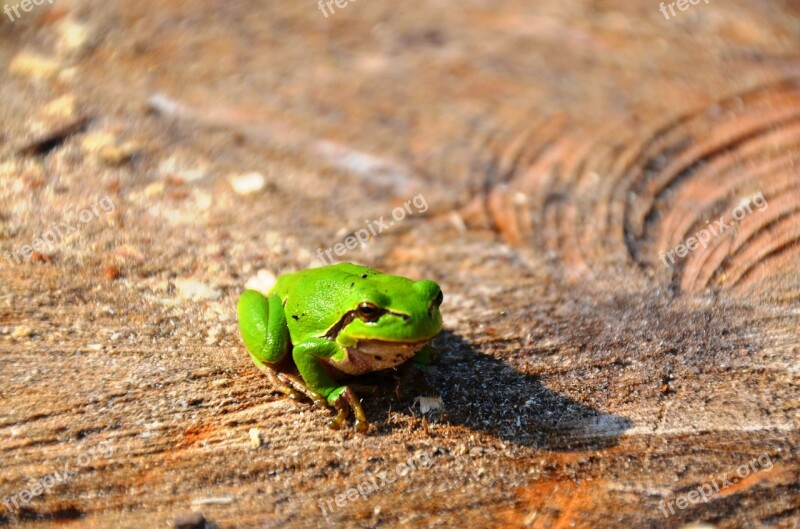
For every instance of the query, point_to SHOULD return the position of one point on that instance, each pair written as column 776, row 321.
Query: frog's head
column 392, row 309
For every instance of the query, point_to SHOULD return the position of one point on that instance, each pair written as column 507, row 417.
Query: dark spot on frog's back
column 352, row 285
column 295, row 317
column 363, row 276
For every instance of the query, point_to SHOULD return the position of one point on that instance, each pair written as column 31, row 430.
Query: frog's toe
column 341, row 414
column 336, row 423
column 344, row 400
column 278, row 384
column 361, row 426
column 298, row 389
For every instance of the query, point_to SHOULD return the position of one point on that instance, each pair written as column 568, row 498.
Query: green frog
column 336, row 321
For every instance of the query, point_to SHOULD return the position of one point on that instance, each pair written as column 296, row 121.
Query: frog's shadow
column 486, row 394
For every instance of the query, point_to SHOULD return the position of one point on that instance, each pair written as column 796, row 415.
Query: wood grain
column 561, row 148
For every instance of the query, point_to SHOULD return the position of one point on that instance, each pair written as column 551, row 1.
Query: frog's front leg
column 262, row 322
column 427, row 356
column 413, row 370
column 308, row 357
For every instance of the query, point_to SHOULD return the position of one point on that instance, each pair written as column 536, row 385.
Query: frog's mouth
column 375, row 355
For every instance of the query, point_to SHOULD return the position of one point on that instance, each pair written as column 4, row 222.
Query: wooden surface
column 560, row 146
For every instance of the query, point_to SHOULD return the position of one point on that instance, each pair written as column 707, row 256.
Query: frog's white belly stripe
column 374, row 355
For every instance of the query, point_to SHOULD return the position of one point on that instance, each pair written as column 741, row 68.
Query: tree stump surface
column 557, row 152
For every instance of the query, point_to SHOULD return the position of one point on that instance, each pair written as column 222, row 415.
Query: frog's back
column 325, row 278
column 351, row 269
column 317, row 298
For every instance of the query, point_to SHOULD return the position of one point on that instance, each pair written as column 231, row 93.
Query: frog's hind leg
column 298, row 387
column 262, row 323
column 277, row 384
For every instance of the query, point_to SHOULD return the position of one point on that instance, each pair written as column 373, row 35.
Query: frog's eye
column 368, row 312
column 438, row 300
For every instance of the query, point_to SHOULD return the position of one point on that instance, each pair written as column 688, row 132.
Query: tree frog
column 335, row 321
